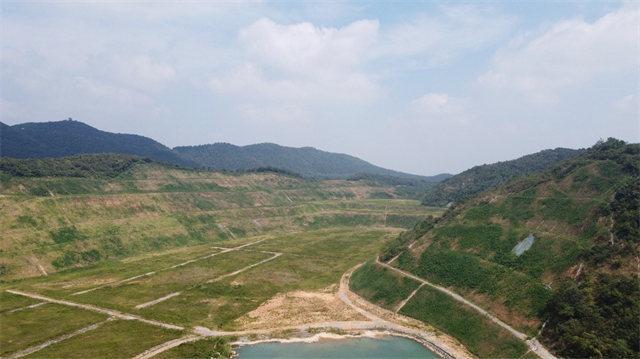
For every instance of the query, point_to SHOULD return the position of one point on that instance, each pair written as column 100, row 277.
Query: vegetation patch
column 518, row 291
column 559, row 206
column 381, row 286
column 30, row 327
column 595, row 318
column 66, row 234
column 481, row 336
column 114, row 339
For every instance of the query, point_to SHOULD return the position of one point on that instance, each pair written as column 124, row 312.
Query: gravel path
column 407, row 299
column 166, row 346
column 159, row 300
column 27, row 307
column 275, row 255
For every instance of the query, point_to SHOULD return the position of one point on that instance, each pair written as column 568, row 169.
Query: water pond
column 385, row 347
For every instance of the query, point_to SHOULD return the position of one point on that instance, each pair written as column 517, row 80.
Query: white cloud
column 284, row 114
column 301, row 66
column 138, row 71
column 429, row 40
column 567, row 55
column 305, row 49
column 437, row 104
column 629, row 104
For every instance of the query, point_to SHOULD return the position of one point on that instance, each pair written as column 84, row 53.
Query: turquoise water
column 386, row 347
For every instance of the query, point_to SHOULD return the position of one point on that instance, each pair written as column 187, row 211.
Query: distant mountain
column 67, row 138
column 70, row 138
column 307, row 161
column 481, row 178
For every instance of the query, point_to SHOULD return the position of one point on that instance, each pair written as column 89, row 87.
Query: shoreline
column 328, row 335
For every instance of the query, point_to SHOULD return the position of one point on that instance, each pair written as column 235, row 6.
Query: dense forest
column 481, row 178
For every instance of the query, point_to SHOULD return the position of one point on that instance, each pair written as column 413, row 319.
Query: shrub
column 66, row 234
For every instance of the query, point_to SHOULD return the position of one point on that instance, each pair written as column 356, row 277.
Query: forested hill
column 307, row 161
column 559, row 247
column 481, row 178
column 67, row 138
column 70, row 138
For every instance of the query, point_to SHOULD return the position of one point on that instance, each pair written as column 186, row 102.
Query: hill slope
column 66, row 138
column 481, row 178
column 559, row 247
column 76, row 211
column 306, row 161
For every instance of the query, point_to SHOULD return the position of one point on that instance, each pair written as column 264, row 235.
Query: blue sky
column 422, row 87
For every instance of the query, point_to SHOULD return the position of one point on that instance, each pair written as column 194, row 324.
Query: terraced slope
column 580, row 219
column 73, row 212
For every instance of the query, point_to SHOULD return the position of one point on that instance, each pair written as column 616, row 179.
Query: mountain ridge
column 70, row 137
column 308, row 161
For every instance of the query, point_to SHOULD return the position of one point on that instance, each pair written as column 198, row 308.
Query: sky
column 421, row 87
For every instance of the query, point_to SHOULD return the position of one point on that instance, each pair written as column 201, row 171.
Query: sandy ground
column 299, row 307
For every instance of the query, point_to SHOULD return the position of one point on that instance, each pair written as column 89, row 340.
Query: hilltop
column 485, row 177
column 558, row 247
column 69, row 137
column 307, row 161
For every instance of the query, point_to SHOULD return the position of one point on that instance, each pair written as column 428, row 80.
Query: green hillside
column 76, row 211
column 579, row 275
column 307, row 161
column 481, row 178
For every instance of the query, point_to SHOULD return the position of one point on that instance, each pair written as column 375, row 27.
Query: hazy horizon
column 424, row 88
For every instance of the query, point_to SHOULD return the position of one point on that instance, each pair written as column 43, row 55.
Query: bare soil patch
column 298, row 307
